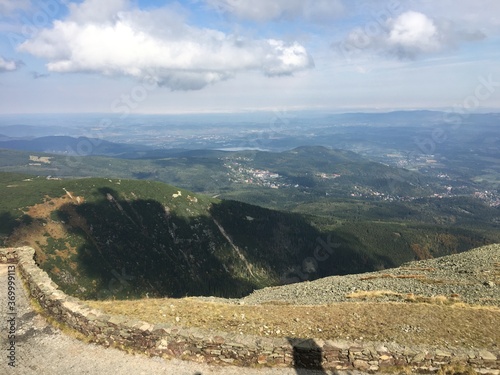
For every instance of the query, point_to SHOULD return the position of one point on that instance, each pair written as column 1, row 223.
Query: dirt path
column 41, row 349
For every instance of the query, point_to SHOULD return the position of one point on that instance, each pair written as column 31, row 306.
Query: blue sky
column 143, row 56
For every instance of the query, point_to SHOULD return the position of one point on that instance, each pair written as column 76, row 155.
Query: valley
column 225, row 223
column 224, row 210
column 308, row 241
column 103, row 238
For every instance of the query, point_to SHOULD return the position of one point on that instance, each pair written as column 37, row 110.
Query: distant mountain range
column 80, row 146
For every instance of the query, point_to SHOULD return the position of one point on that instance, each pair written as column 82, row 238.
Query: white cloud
column 481, row 15
column 9, row 65
column 96, row 10
column 412, row 33
column 408, row 36
column 9, row 6
column 157, row 45
column 266, row 10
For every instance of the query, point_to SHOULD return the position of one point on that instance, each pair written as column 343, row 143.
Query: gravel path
column 42, row 349
column 472, row 276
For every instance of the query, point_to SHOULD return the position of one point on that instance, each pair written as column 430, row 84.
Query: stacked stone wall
column 226, row 348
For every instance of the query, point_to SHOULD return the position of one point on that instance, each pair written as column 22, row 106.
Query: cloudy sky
column 145, row 56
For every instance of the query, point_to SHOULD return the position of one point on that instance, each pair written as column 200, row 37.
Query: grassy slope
column 17, row 193
column 129, row 238
column 404, row 323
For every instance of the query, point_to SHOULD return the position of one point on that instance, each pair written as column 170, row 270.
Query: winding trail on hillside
column 43, row 349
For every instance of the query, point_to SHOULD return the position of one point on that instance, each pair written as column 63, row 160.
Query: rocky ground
column 472, row 277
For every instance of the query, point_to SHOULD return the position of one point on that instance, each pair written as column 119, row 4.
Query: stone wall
column 222, row 347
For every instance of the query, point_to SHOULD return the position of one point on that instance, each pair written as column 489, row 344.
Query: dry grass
column 456, row 370
column 439, row 282
column 422, row 278
column 423, row 269
column 409, row 297
column 399, row 370
column 389, row 276
column 432, row 323
column 453, row 299
column 444, row 370
column 371, row 294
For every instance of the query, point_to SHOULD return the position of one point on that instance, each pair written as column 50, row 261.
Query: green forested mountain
column 111, row 238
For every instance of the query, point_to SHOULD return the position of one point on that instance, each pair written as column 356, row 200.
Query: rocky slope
column 449, row 302
column 472, row 277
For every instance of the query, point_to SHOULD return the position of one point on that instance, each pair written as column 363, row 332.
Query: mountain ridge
column 168, row 239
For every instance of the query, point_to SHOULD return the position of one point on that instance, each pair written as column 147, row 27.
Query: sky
column 205, row 56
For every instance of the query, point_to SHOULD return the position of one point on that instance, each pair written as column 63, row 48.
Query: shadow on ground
column 129, row 248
